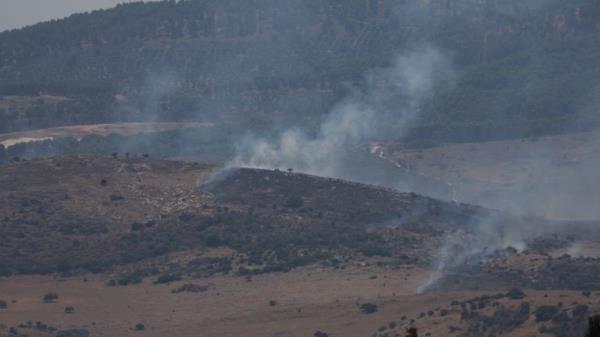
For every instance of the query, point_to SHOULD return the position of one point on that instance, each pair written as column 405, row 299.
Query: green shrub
column 294, row 201
column 191, row 288
column 412, row 332
column 73, row 333
column 515, row 294
column 368, row 308
column 580, row 310
column 545, row 313
column 50, row 297
column 167, row 278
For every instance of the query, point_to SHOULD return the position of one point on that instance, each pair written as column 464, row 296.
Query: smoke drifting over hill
column 389, row 102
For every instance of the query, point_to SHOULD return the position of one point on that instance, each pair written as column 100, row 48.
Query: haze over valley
column 368, row 168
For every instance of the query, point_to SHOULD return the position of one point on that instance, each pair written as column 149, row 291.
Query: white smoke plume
column 486, row 236
column 385, row 107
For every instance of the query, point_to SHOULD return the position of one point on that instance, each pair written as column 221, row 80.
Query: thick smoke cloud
column 384, row 108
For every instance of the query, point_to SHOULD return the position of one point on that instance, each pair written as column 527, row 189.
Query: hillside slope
column 138, row 217
column 527, row 68
column 86, row 213
column 191, row 250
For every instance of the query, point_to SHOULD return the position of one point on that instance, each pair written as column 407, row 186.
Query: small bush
column 561, row 318
column 116, row 197
column 368, row 308
column 213, row 240
column 515, row 294
column 133, row 277
column 135, row 227
column 129, row 278
column 73, row 333
column 412, row 332
column 167, row 278
column 294, row 201
column 580, row 310
column 190, row 288
column 546, row 313
column 50, row 297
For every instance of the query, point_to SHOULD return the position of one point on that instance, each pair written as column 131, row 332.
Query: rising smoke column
column 389, row 102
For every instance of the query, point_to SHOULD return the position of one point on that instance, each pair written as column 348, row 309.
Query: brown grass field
column 308, row 300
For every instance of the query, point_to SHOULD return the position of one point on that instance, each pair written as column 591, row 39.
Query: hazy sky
column 20, row 13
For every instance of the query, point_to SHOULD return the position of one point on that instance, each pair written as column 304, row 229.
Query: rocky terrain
column 91, row 213
column 459, row 139
column 154, row 244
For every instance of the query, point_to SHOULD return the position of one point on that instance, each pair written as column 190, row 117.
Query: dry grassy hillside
column 84, row 213
column 139, row 246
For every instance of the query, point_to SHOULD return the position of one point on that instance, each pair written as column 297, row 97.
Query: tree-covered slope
column 525, row 68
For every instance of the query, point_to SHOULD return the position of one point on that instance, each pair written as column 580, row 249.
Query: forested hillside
column 525, row 67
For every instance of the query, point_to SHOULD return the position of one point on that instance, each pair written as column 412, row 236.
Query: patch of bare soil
column 298, row 303
column 80, row 131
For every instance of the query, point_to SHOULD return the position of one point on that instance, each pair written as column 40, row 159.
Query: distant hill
column 131, row 216
column 96, row 213
column 526, row 67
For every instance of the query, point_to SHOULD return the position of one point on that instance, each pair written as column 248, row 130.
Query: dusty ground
column 308, row 300
column 234, row 307
column 80, row 131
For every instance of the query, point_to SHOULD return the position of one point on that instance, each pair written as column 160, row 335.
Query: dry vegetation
column 90, row 214
column 161, row 248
